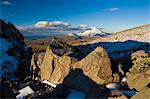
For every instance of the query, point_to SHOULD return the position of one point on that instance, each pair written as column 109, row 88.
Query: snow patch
column 49, row 83
column 24, row 92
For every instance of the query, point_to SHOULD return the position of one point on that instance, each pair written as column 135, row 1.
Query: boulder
column 54, row 68
column 138, row 81
column 140, row 60
column 143, row 94
column 96, row 66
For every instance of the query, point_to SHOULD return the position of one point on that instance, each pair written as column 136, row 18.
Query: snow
column 8, row 64
column 113, row 86
column 92, row 32
column 124, row 79
column 24, row 92
column 49, row 83
column 76, row 95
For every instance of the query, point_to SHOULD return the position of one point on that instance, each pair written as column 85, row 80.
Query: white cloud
column 83, row 26
column 113, row 9
column 41, row 24
column 6, row 3
column 51, row 25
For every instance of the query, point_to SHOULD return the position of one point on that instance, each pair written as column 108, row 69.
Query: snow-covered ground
column 8, row 64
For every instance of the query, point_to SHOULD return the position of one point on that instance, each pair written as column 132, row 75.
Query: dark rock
column 80, row 82
column 17, row 50
column 6, row 90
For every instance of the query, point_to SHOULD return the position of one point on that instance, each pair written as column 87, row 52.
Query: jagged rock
column 15, row 54
column 62, row 48
column 139, row 81
column 141, row 62
column 36, row 61
column 96, row 66
column 54, row 68
column 143, row 94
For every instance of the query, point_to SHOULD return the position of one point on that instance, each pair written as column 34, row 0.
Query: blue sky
column 110, row 14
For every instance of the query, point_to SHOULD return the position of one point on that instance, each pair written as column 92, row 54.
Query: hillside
column 141, row 34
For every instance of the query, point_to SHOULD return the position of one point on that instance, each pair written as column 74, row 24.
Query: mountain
column 141, row 34
column 93, row 31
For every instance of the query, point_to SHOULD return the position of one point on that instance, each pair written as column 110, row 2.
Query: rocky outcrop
column 139, row 81
column 15, row 54
column 59, row 59
column 36, row 61
column 141, row 62
column 96, row 66
column 139, row 77
column 143, row 94
column 54, row 68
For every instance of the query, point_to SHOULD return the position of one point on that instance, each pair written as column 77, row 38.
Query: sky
column 113, row 15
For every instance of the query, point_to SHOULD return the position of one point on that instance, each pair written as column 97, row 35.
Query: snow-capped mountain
column 93, row 31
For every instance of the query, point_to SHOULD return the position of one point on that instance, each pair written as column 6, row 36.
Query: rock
column 57, row 61
column 143, row 94
column 78, row 81
column 138, row 81
column 62, row 48
column 116, row 77
column 6, row 91
column 15, row 54
column 119, row 52
column 36, row 61
column 96, row 66
column 116, row 93
column 119, row 97
column 141, row 62
column 120, row 69
column 54, row 68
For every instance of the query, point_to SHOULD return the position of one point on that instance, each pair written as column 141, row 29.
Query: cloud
column 51, row 25
column 113, row 9
column 51, row 28
column 83, row 26
column 6, row 3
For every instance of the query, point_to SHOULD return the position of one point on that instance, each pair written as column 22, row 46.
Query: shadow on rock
column 76, row 80
column 119, row 52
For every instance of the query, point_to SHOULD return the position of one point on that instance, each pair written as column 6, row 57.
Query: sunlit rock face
column 97, row 66
column 15, row 54
column 59, row 59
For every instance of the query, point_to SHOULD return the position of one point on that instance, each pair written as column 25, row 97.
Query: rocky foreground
column 97, row 69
